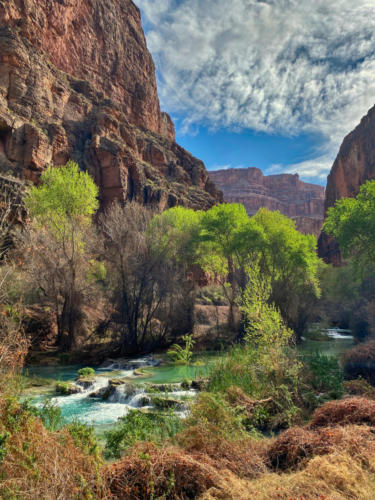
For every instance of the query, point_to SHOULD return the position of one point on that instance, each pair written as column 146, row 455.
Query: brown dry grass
column 360, row 361
column 149, row 472
column 297, row 445
column 246, row 457
column 345, row 412
column 337, row 476
column 44, row 465
column 341, row 467
column 360, row 387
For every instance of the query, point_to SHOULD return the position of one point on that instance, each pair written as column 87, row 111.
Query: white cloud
column 277, row 66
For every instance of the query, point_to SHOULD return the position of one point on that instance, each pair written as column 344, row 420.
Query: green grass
column 137, row 426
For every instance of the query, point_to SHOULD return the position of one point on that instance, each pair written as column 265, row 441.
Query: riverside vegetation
column 267, row 422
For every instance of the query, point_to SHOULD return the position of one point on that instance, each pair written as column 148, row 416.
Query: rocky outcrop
column 285, row 192
column 354, row 165
column 77, row 81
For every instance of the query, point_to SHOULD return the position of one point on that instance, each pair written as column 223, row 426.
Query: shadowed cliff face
column 354, row 165
column 77, row 81
column 287, row 193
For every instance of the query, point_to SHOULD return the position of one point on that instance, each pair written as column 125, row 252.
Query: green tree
column 66, row 198
column 352, row 222
column 288, row 258
column 59, row 244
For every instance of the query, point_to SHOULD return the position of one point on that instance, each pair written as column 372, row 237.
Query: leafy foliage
column 86, row 372
column 182, row 355
column 137, row 426
column 352, row 222
column 65, row 194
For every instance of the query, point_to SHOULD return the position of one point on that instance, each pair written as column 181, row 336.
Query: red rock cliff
column 77, row 80
column 285, row 192
column 354, row 165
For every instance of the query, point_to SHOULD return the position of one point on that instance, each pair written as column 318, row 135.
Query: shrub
column 86, row 372
column 137, row 426
column 299, row 444
column 360, row 362
column 326, row 375
column 213, row 412
column 84, row 438
column 49, row 414
column 149, row 472
column 360, row 387
column 42, row 464
column 252, row 370
column 63, row 387
column 345, row 412
column 182, row 355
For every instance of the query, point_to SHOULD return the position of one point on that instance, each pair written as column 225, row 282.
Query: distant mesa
column 299, row 200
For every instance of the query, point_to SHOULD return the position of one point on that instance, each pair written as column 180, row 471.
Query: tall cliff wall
column 287, row 193
column 77, row 81
column 354, row 165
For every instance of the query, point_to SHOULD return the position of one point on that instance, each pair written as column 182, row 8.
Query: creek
column 138, row 383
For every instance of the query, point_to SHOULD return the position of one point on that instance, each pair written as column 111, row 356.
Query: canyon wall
column 354, row 165
column 298, row 200
column 77, row 81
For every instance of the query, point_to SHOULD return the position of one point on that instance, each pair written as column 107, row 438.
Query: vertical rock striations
column 77, row 81
column 285, row 192
column 354, row 165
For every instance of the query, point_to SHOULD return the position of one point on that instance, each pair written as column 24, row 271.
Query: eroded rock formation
column 285, row 192
column 354, row 165
column 77, row 81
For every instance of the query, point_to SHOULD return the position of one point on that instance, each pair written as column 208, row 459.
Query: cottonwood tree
column 149, row 288
column 59, row 243
column 352, row 222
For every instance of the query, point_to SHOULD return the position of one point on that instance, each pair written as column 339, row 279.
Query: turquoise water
column 333, row 347
column 99, row 413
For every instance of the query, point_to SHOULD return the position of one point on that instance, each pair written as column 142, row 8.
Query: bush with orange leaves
column 345, row 412
column 297, row 445
column 150, row 472
column 13, row 350
column 360, row 361
column 38, row 464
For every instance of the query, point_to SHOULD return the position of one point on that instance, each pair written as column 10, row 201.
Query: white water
column 124, row 397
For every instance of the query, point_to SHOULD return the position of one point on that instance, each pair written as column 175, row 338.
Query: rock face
column 77, row 81
column 354, row 165
column 285, row 192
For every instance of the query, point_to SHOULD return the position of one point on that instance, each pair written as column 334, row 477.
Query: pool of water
column 100, row 414
column 332, row 347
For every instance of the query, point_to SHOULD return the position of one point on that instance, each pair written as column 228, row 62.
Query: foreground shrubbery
column 37, row 463
column 360, row 361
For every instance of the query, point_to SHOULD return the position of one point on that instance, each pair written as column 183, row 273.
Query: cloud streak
column 275, row 66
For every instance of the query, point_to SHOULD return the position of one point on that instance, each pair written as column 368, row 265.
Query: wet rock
column 67, row 388
column 167, row 404
column 199, row 384
column 85, row 382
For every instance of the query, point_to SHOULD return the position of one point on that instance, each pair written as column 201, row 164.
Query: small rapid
column 115, row 390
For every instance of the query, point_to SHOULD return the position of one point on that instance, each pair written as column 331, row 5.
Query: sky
column 273, row 84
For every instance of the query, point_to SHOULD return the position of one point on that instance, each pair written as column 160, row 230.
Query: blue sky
column 274, row 84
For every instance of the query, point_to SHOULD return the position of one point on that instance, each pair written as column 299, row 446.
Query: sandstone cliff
column 287, row 193
column 354, row 165
column 77, row 81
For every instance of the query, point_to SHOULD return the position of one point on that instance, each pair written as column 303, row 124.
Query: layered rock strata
column 298, row 200
column 77, row 81
column 354, row 165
